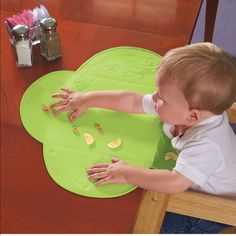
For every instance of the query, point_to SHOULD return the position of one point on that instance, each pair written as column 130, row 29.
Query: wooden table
column 30, row 201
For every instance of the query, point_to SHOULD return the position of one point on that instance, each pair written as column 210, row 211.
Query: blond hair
column 205, row 73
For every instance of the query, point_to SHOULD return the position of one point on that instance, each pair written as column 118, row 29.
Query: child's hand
column 70, row 100
column 109, row 173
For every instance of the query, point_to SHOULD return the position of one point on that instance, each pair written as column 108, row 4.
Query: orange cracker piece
column 100, row 130
column 115, row 143
column 75, row 130
column 46, row 108
column 96, row 125
column 88, row 138
column 171, row 156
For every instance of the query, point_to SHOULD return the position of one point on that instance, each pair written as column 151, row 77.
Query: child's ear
column 193, row 116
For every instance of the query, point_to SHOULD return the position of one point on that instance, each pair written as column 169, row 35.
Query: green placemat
column 164, row 146
column 118, row 68
column 66, row 154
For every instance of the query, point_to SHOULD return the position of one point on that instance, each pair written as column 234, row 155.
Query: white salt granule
column 23, row 53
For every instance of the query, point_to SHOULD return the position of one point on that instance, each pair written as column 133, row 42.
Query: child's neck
column 181, row 129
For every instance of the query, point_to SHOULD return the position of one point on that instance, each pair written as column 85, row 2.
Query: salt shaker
column 50, row 40
column 23, row 45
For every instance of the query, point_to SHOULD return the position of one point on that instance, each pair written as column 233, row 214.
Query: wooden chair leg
column 231, row 230
column 232, row 113
column 151, row 212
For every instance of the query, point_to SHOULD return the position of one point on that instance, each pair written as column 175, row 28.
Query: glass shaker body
column 23, row 46
column 50, row 45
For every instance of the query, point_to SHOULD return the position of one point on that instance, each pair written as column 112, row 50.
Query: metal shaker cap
column 48, row 24
column 20, row 32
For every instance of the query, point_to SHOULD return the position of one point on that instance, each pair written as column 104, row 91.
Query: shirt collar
column 179, row 142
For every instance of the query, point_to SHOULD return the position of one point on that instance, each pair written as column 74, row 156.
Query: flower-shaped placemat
column 67, row 155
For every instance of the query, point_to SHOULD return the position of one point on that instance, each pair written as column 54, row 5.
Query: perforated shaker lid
column 20, row 32
column 48, row 24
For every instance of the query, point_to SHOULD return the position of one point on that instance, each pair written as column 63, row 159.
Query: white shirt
column 207, row 153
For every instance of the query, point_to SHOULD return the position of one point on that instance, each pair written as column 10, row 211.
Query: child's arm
column 119, row 172
column 119, row 100
column 125, row 101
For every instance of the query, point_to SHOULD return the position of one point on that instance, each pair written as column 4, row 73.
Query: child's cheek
column 159, row 110
column 162, row 112
column 159, row 106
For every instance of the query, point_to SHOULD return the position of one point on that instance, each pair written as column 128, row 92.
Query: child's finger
column 114, row 159
column 103, row 181
column 67, row 90
column 60, row 95
column 96, row 170
column 99, row 165
column 99, row 175
column 58, row 104
column 75, row 114
column 62, row 109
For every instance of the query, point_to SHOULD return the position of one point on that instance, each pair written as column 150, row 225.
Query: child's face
column 171, row 105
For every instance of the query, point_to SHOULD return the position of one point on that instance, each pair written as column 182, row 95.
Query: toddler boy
column 195, row 85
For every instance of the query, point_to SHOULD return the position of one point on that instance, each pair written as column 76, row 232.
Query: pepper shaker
column 50, row 40
column 23, row 45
